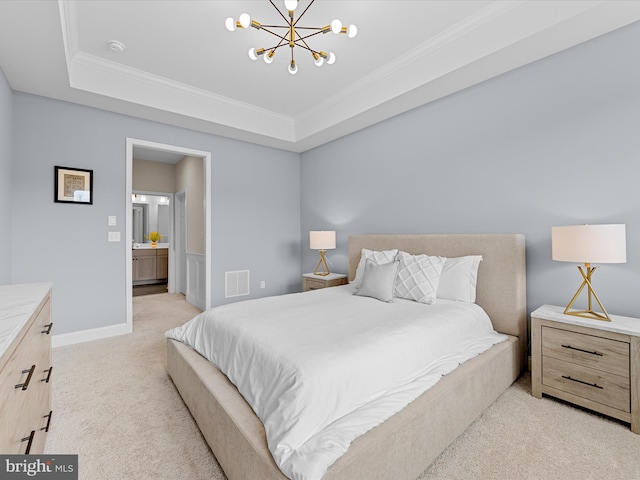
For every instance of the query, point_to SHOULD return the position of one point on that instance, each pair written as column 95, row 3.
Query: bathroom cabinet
column 150, row 265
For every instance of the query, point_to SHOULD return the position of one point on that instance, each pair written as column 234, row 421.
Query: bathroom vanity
column 150, row 265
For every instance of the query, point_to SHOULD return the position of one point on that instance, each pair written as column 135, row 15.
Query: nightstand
column 591, row 363
column 311, row 281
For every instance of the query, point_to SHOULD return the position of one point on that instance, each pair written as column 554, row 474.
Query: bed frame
column 403, row 446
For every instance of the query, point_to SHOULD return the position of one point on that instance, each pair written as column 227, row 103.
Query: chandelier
column 291, row 34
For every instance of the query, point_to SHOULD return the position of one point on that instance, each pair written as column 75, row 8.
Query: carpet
column 115, row 406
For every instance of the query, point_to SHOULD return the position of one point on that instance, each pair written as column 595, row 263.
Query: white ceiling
column 182, row 67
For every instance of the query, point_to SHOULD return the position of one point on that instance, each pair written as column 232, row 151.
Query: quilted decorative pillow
column 418, row 277
column 459, row 278
column 378, row 257
column 378, row 281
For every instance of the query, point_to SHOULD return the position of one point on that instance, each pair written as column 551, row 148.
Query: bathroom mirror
column 151, row 213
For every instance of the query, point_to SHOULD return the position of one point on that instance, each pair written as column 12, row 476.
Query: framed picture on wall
column 73, row 185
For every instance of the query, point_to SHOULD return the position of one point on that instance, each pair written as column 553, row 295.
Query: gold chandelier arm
column 302, row 14
column 281, row 37
column 281, row 14
column 300, row 37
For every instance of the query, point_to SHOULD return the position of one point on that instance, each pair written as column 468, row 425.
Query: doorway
column 178, row 271
column 152, row 218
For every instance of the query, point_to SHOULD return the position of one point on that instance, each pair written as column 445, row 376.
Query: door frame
column 206, row 157
column 179, row 212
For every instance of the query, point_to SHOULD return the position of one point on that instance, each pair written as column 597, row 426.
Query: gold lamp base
column 589, row 312
column 322, row 268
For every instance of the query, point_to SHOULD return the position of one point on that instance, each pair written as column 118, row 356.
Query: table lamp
column 322, row 241
column 589, row 244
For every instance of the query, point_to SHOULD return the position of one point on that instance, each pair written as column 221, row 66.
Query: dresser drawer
column 585, row 382
column 25, row 381
column 591, row 351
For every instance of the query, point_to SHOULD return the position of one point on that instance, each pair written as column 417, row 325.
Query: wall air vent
column 236, row 284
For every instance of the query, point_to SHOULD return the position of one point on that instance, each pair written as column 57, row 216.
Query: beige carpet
column 115, row 407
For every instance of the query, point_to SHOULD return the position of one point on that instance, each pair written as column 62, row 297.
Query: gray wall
column 6, row 157
column 552, row 143
column 255, row 212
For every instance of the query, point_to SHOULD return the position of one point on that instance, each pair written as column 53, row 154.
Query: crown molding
column 112, row 79
column 500, row 37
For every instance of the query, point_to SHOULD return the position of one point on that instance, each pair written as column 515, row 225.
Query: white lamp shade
column 589, row 243
column 322, row 240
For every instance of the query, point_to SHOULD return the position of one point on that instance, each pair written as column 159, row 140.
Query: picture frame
column 73, row 185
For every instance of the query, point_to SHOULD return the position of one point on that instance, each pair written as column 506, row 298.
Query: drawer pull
column 50, row 369
column 48, row 328
column 46, row 428
column 581, row 350
column 25, row 385
column 584, row 383
column 30, row 440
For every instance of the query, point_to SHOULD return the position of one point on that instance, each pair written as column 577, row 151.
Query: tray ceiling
column 182, row 67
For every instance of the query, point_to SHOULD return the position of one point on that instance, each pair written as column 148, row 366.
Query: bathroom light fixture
column 589, row 244
column 322, row 241
column 291, row 35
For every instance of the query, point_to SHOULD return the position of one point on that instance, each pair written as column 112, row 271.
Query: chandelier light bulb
column 293, row 68
column 245, row 20
column 290, row 4
column 252, row 54
column 319, row 61
column 268, row 58
column 336, row 26
column 352, row 31
column 230, row 23
column 331, row 59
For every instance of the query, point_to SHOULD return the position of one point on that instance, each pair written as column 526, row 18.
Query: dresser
column 591, row 363
column 25, row 367
column 311, row 281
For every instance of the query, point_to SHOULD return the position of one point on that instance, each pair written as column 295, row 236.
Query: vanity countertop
column 141, row 246
column 17, row 303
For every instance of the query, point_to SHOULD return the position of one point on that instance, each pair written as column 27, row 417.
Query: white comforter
column 321, row 368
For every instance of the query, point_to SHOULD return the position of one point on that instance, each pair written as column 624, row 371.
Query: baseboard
column 90, row 335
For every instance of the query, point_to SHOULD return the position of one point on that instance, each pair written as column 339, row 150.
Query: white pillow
column 378, row 281
column 418, row 277
column 459, row 278
column 378, row 257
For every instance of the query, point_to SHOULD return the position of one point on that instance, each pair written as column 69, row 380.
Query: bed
column 406, row 443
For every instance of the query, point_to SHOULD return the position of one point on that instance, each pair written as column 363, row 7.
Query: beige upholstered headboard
column 501, row 288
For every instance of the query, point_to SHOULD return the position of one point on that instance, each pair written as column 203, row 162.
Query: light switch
column 114, row 236
column 112, row 220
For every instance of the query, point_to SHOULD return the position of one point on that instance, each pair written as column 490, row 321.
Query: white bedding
column 321, row 368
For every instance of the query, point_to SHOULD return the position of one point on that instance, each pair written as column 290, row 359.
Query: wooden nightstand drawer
column 595, row 385
column 315, row 282
column 591, row 351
